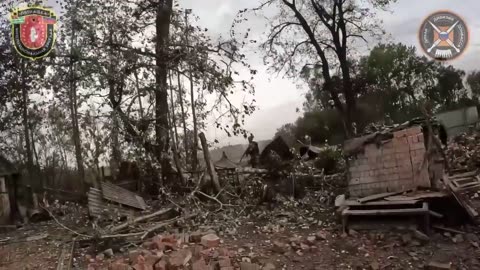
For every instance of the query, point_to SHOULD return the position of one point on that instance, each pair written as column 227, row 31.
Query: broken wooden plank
column 438, row 227
column 462, row 175
column 122, row 196
column 435, row 214
column 467, row 194
column 379, row 196
column 65, row 259
column 374, row 203
column 422, row 196
column 438, row 266
column 385, row 212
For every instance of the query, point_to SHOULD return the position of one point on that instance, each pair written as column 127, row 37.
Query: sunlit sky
column 279, row 97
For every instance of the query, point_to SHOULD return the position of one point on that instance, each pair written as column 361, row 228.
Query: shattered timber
column 396, row 206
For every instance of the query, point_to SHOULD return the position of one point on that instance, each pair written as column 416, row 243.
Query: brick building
column 388, row 161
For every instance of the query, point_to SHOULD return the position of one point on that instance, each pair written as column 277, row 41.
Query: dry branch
column 140, row 219
column 166, row 223
column 63, row 226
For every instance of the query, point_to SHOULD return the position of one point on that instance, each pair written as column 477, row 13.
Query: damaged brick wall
column 395, row 165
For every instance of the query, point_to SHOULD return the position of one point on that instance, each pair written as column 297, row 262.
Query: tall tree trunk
column 74, row 106
column 194, row 115
column 162, row 24
column 26, row 129
column 184, row 122
column 350, row 98
column 116, row 153
column 173, row 118
column 34, row 150
column 137, row 83
column 176, row 160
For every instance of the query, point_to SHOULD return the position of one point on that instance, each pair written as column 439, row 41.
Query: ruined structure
column 387, row 161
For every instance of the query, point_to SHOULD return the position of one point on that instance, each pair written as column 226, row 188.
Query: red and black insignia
column 33, row 31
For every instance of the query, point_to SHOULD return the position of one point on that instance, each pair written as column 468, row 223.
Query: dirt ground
column 283, row 240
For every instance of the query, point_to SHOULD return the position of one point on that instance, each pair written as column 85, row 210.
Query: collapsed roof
column 355, row 145
column 225, row 163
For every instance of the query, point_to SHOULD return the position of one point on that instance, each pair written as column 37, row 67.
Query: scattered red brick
column 119, row 266
column 161, row 265
column 224, row 262
column 200, row 265
column 249, row 266
column 133, row 255
column 149, row 245
column 210, row 240
column 196, row 237
column 179, row 258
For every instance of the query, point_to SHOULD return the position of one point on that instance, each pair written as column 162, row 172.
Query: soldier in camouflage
column 253, row 151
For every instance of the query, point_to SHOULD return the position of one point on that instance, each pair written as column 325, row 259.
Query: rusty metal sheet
column 99, row 208
column 466, row 190
column 120, row 195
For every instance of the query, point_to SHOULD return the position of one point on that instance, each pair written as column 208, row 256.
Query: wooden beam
column 435, row 214
column 210, row 168
column 447, row 229
column 385, row 212
column 379, row 196
column 356, row 203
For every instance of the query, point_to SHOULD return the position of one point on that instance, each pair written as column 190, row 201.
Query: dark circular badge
column 443, row 35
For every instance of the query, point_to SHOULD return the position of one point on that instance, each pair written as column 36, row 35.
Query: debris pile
column 463, row 152
column 196, row 251
column 400, row 172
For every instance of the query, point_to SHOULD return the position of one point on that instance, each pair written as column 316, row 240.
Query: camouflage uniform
column 253, row 151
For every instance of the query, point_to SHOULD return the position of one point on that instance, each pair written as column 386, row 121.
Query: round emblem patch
column 443, row 35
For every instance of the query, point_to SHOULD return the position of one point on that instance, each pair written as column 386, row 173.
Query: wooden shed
column 9, row 178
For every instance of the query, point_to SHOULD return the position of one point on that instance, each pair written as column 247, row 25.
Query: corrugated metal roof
column 225, row 163
column 120, row 195
column 99, row 208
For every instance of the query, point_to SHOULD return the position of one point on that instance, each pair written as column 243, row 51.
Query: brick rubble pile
column 463, row 152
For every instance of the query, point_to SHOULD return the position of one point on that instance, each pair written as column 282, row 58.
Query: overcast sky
column 278, row 98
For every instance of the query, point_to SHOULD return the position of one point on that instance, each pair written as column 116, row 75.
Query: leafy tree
column 395, row 79
column 318, row 35
column 390, row 84
column 473, row 81
column 19, row 79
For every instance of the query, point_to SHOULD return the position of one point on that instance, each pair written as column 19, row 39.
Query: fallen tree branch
column 139, row 219
column 63, row 226
column 121, row 235
column 213, row 199
column 166, row 223
column 210, row 197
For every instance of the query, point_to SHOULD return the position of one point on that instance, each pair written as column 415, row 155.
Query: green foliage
column 391, row 83
column 330, row 160
column 473, row 81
